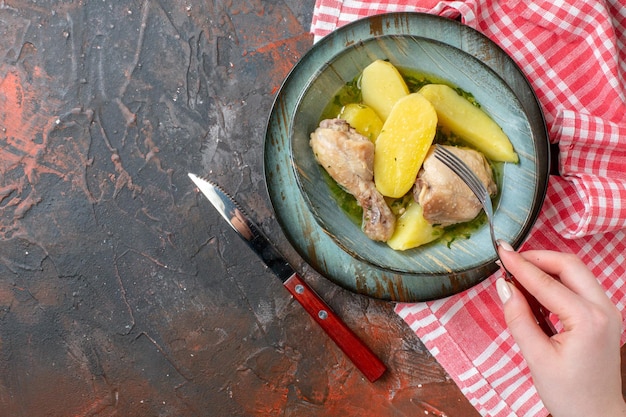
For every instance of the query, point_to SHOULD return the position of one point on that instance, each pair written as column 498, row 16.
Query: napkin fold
column 574, row 54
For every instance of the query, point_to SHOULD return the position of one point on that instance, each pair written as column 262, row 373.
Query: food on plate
column 443, row 195
column 412, row 229
column 348, row 157
column 402, row 144
column 381, row 86
column 470, row 123
column 378, row 148
column 363, row 118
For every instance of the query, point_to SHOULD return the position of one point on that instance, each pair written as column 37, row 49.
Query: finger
column 548, row 291
column 572, row 272
column 531, row 340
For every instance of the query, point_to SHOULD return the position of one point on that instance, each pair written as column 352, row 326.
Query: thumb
column 519, row 318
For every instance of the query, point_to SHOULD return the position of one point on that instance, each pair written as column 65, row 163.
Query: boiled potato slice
column 402, row 145
column 381, row 86
column 470, row 123
column 412, row 229
column 363, row 119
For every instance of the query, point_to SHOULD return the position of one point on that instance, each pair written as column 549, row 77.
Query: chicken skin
column 445, row 198
column 348, row 157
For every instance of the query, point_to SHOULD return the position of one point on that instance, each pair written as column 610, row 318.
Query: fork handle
column 542, row 314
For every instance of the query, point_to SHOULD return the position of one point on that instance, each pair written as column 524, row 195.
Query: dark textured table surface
column 123, row 293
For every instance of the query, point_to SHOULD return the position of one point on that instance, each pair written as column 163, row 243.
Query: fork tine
column 476, row 186
column 459, row 167
column 449, row 158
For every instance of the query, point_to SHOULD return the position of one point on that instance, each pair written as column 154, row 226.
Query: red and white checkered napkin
column 574, row 54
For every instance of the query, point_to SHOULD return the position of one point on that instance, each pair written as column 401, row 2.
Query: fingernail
column 505, row 245
column 504, row 291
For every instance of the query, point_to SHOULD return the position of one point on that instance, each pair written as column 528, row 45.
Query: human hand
column 576, row 372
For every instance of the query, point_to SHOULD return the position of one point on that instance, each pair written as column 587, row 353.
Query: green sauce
column 346, row 201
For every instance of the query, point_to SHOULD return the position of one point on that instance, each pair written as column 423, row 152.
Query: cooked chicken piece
column 445, row 198
column 348, row 157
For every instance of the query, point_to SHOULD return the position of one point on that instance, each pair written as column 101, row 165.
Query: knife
column 358, row 352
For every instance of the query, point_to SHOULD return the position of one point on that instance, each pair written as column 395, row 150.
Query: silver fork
column 478, row 188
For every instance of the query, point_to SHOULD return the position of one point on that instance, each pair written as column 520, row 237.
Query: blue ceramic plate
column 316, row 225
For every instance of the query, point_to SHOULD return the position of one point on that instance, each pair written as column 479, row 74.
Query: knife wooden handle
column 358, row 352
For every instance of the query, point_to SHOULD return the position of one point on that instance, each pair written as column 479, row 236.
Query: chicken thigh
column 348, row 157
column 445, row 198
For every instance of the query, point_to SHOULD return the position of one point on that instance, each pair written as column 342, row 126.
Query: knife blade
column 358, row 352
